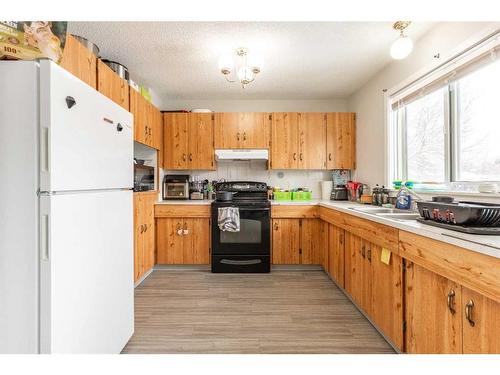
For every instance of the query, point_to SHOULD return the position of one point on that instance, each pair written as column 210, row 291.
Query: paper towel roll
column 326, row 189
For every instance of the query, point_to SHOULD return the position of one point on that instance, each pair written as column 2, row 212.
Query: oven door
column 253, row 237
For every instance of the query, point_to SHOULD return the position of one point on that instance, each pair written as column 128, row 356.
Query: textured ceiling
column 300, row 60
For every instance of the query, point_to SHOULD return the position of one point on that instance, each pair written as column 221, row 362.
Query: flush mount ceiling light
column 402, row 46
column 239, row 63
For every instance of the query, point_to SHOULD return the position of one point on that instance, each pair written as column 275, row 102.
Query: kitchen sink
column 388, row 213
column 400, row 216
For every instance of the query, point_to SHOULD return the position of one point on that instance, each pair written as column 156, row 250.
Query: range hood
column 241, row 154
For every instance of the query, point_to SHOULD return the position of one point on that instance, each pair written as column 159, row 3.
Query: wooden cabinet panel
column 169, row 241
column 196, row 247
column 387, row 295
column 285, row 140
column 138, row 239
column 294, row 211
column 227, row 131
column 336, row 253
column 148, row 120
column 285, row 241
column 144, row 233
column 431, row 326
column 358, row 272
column 156, row 126
column 254, row 129
column 183, row 240
column 182, row 210
column 483, row 335
column 241, row 130
column 201, row 141
column 111, row 85
column 312, row 140
column 312, row 244
column 79, row 61
column 341, row 140
column 175, row 141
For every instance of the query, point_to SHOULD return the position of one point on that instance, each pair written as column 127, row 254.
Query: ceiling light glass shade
column 401, row 47
column 246, row 74
column 226, row 63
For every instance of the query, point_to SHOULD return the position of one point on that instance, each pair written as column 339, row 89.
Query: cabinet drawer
column 182, row 210
column 294, row 211
column 475, row 271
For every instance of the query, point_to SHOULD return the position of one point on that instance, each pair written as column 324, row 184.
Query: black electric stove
column 249, row 250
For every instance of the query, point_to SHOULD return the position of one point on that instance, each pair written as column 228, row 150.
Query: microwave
column 175, row 187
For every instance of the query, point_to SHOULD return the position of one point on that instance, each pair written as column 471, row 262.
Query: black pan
column 225, row 196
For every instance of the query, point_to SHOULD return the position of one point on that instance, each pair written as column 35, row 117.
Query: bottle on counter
column 376, row 195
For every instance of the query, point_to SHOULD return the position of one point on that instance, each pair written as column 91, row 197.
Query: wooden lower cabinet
column 183, row 240
column 433, row 312
column 358, row 271
column 481, row 324
column 144, row 233
column 298, row 241
column 336, row 254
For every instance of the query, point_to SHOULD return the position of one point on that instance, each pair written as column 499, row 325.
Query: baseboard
column 139, row 282
column 296, row 267
column 182, row 267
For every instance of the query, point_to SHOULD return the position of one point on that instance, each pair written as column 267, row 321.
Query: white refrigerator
column 66, row 214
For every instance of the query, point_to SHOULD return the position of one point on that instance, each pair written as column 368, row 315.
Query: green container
column 282, row 195
column 301, row 195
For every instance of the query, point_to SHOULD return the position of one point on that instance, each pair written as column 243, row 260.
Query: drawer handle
column 241, row 262
column 190, row 157
column 330, row 156
column 300, row 156
column 179, row 229
column 275, row 226
column 238, row 136
column 245, row 136
column 369, row 254
column 185, row 230
column 363, row 251
column 294, row 156
column 469, row 306
column 451, row 301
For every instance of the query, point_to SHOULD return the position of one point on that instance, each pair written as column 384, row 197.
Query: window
column 448, row 130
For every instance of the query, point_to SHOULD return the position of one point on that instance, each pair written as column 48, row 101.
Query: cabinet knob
column 244, row 136
column 330, row 156
column 184, row 157
column 185, row 230
column 238, row 136
column 294, row 156
column 275, row 226
column 300, row 156
column 469, row 306
column 190, row 157
column 369, row 254
column 179, row 229
column 363, row 251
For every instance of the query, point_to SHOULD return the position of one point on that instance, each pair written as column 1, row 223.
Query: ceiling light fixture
column 239, row 62
column 402, row 46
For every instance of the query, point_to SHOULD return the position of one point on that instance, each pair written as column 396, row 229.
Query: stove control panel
column 242, row 186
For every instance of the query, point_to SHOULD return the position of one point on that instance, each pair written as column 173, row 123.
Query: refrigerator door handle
column 44, row 237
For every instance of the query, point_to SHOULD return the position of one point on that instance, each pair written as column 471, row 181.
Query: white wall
column 333, row 105
column 446, row 39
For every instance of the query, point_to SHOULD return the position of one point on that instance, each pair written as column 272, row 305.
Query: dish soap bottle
column 403, row 199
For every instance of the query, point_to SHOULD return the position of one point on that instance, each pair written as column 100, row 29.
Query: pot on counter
column 224, row 196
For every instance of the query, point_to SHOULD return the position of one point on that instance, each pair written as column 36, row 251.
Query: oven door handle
column 241, row 262
column 253, row 209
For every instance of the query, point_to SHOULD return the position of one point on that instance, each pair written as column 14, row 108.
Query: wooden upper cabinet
column 156, row 127
column 201, row 141
column 480, row 322
column 111, row 85
column 241, row 130
column 341, row 140
column 312, row 140
column 188, row 141
column 148, row 120
column 433, row 312
column 285, row 241
column 285, row 140
column 175, row 141
column 79, row 61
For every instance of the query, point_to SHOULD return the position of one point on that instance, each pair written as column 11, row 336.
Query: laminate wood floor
column 279, row 312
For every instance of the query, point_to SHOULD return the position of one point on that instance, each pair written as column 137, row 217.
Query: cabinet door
column 387, row 295
column 137, row 109
column 138, row 236
column 286, row 241
column 480, row 322
column 254, row 129
column 336, row 253
column 157, row 127
column 312, row 244
column 358, row 271
column 149, row 232
column 112, row 86
column 285, row 140
column 79, row 61
column 175, row 141
column 312, row 139
column 169, row 241
column 433, row 317
column 227, row 131
column 341, row 140
column 201, row 141
column 196, row 238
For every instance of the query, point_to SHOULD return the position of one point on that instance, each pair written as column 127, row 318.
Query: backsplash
column 257, row 171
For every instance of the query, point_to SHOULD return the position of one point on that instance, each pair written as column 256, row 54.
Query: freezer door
column 86, row 140
column 86, row 272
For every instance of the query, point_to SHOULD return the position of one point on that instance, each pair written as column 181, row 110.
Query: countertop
column 484, row 244
column 186, row 201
